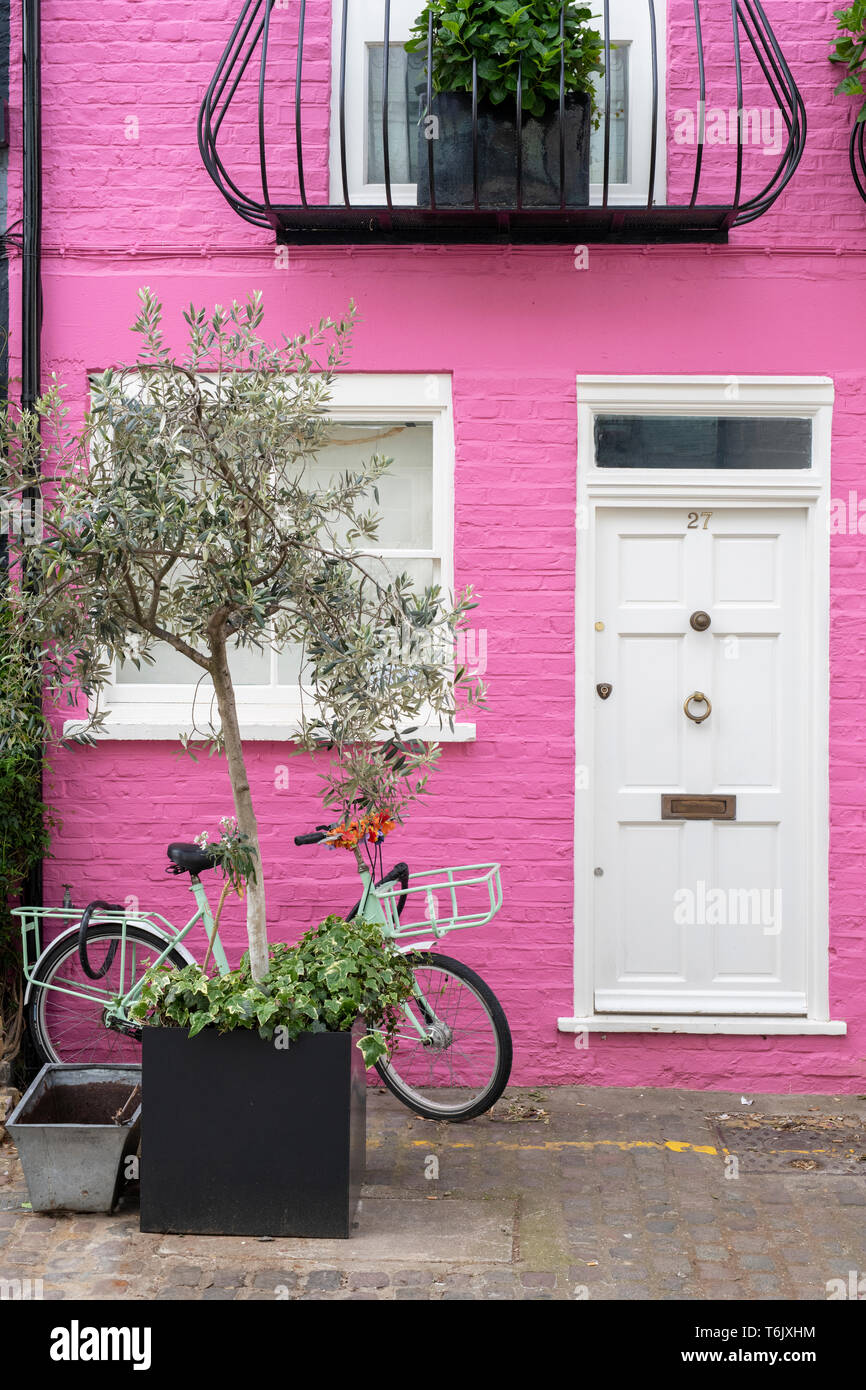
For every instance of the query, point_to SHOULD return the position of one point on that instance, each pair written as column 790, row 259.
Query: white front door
column 698, row 916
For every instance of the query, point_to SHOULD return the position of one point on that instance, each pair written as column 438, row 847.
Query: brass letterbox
column 683, row 806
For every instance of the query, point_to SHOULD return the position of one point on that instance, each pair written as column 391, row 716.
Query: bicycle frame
column 371, row 909
column 31, row 919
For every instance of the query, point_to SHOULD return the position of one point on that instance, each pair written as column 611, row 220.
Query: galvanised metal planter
column 504, row 181
column 73, row 1128
column 243, row 1138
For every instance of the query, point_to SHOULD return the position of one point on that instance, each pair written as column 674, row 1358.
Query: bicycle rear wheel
column 68, row 1028
column 460, row 1065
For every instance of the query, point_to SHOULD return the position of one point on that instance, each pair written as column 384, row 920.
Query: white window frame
column 629, row 24
column 733, row 396
column 366, row 26
column 272, row 712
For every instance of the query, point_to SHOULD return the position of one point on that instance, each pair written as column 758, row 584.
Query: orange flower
column 379, row 825
column 346, row 836
column 374, row 828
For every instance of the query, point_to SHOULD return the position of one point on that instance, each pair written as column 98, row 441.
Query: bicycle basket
column 443, row 900
column 39, row 926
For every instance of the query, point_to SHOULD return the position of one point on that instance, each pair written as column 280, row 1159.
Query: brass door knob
column 700, row 621
column 698, row 699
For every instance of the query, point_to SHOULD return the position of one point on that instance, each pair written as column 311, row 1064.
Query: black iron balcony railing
column 858, row 157
column 711, row 98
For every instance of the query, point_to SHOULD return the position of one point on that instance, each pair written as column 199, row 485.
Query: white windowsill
column 693, row 1023
column 167, row 728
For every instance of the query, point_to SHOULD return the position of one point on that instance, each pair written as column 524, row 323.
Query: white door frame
column 777, row 488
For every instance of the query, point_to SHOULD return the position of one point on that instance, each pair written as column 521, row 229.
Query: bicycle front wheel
column 458, row 1064
column 66, row 1026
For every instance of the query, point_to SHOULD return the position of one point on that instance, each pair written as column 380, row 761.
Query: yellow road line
column 673, row 1145
column 624, row 1145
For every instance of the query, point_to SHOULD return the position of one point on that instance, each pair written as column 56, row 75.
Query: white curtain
column 618, row 122
column 405, row 75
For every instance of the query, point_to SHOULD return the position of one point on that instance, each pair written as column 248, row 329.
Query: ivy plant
column 336, row 973
column 26, row 820
column 850, row 51
column 503, row 37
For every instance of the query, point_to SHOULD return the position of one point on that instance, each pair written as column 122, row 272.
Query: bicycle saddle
column 189, row 859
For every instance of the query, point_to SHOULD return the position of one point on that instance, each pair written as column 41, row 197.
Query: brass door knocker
column 700, row 700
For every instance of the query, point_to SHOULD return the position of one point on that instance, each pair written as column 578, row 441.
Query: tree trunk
column 257, row 925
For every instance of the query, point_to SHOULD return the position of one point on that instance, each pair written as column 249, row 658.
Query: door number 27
column 694, row 517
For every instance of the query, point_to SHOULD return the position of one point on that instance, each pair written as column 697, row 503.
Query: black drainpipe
column 31, row 288
column 31, row 280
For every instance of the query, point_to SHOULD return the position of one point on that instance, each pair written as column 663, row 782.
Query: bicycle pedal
column 129, row 1030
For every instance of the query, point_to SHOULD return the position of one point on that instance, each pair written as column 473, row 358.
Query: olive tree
column 184, row 513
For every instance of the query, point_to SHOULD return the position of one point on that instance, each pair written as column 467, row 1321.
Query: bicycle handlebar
column 399, row 873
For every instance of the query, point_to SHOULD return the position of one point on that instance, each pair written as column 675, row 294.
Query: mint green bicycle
column 451, row 1058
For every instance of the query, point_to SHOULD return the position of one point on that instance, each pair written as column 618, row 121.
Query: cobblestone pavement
column 604, row 1194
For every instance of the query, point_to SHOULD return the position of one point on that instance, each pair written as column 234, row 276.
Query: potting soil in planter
column 73, row 1128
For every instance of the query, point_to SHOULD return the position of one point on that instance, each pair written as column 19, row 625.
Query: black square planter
column 240, row 1137
column 497, row 155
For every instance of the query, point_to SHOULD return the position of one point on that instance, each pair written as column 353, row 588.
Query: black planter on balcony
column 508, row 176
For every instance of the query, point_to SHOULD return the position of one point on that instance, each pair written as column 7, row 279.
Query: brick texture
column 127, row 203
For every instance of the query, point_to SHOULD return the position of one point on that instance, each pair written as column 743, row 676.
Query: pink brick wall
column 514, row 326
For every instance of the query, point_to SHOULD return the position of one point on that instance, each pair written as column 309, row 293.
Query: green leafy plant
column 234, row 857
column 337, row 972
column 503, row 37
column 185, row 514
column 25, row 819
column 850, row 51
column 231, row 853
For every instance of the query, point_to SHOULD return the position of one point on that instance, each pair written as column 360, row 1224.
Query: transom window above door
column 702, row 441
column 629, row 76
